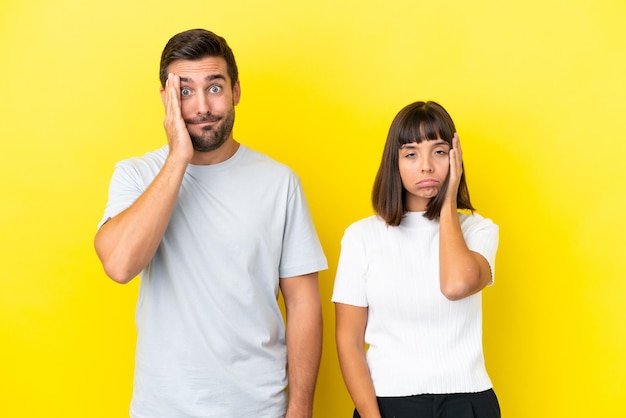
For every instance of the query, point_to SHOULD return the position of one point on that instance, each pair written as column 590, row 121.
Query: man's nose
column 203, row 105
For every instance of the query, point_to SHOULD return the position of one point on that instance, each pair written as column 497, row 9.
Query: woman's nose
column 426, row 166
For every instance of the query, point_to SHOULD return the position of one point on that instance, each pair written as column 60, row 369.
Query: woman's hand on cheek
column 456, row 167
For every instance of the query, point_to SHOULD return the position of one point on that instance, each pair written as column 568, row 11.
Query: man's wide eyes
column 187, row 92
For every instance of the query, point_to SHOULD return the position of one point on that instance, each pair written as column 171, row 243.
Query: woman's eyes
column 436, row 152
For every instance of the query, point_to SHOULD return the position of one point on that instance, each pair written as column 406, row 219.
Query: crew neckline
column 202, row 168
column 416, row 219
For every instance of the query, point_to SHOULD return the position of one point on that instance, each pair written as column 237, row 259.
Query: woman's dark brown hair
column 417, row 122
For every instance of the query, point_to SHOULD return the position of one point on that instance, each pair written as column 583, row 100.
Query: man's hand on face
column 175, row 128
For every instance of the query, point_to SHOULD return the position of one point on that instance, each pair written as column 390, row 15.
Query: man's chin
column 204, row 145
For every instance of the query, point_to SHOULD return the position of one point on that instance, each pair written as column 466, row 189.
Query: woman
column 409, row 279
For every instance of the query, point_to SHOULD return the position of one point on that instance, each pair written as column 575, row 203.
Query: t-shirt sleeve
column 302, row 252
column 349, row 287
column 125, row 187
column 482, row 237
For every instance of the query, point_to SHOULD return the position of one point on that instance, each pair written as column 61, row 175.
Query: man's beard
column 213, row 137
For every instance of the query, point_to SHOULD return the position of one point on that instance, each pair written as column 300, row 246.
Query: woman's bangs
column 418, row 130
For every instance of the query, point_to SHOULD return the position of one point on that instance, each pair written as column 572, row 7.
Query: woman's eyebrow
column 435, row 142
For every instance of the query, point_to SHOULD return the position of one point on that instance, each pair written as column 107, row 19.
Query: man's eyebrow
column 215, row 77
column 208, row 78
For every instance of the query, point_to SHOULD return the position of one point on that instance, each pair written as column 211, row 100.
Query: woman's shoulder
column 475, row 220
column 368, row 224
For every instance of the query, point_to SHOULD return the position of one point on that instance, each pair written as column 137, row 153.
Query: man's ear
column 236, row 93
column 162, row 91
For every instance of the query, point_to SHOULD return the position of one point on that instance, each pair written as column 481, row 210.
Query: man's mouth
column 203, row 119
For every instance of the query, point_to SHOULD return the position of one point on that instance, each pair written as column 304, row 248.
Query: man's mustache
column 203, row 119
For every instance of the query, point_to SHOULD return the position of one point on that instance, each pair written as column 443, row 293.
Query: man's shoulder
column 150, row 160
column 252, row 156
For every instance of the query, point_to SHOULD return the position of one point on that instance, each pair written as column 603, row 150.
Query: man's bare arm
column 304, row 341
column 126, row 243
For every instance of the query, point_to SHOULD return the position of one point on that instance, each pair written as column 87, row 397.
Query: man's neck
column 223, row 153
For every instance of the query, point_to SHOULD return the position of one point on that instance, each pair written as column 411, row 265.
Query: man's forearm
column 127, row 242
column 304, row 349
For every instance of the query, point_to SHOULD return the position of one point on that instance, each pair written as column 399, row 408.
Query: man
column 215, row 229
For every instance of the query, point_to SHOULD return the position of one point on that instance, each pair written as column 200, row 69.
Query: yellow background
column 537, row 90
